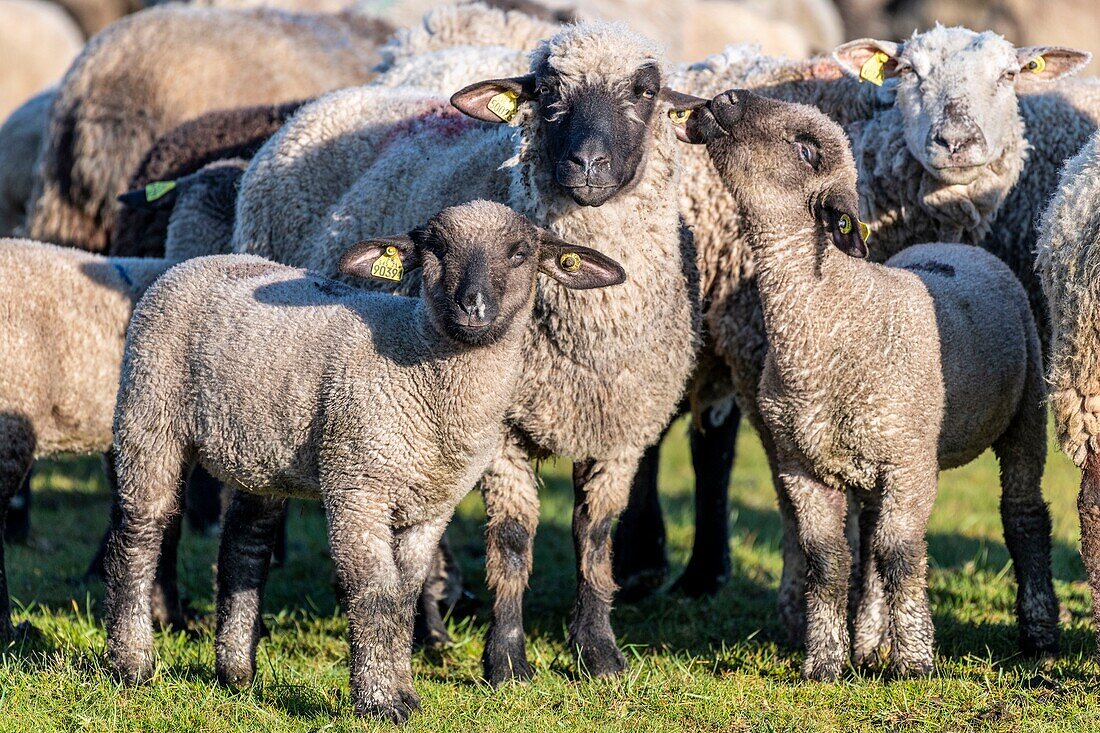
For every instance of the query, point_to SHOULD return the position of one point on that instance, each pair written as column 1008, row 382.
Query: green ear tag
column 872, row 69
column 388, row 266
column 157, row 189
column 504, row 105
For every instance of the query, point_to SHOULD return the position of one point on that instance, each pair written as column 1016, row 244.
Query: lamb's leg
column 901, row 557
column 820, row 512
column 872, row 623
column 428, row 627
column 17, row 444
column 640, row 563
column 418, row 554
column 600, row 491
column 244, row 556
column 512, row 505
column 1088, row 507
column 17, row 523
column 792, row 580
column 378, row 603
column 1022, row 453
column 712, row 452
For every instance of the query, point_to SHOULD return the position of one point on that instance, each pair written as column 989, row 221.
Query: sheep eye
column 517, row 256
column 542, row 90
column 808, row 155
column 648, row 94
column 1009, row 76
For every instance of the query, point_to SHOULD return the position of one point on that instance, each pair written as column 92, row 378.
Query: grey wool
column 150, row 72
column 20, row 138
column 1068, row 256
column 387, row 409
column 876, row 377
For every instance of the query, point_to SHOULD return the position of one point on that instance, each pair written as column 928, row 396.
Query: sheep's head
column 787, row 165
column 597, row 90
column 956, row 90
column 479, row 263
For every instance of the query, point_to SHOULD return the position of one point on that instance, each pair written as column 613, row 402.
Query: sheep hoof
column 599, row 658
column 404, row 704
column 700, row 583
column 640, row 585
column 503, row 665
column 235, row 677
column 1041, row 643
column 131, row 669
column 911, row 668
column 822, row 668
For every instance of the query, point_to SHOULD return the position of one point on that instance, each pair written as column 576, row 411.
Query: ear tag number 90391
column 388, row 266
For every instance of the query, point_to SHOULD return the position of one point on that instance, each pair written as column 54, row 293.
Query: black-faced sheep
column 346, row 371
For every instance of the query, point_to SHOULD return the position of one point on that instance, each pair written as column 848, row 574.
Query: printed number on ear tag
column 504, row 105
column 873, row 69
column 570, row 261
column 157, row 189
column 388, row 266
column 679, row 116
column 1036, row 65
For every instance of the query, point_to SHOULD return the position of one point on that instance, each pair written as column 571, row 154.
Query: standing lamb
column 1068, row 257
column 948, row 366
column 591, row 156
column 345, row 372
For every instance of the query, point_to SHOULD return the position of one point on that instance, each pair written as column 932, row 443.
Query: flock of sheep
column 299, row 248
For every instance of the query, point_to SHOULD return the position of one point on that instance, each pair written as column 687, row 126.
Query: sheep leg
column 1022, row 453
column 640, row 563
column 244, row 557
column 820, row 512
column 16, row 459
column 512, row 505
column 378, row 600
column 712, row 453
column 871, row 642
column 901, row 557
column 17, row 523
column 600, row 490
column 203, row 501
column 428, row 627
column 1088, row 507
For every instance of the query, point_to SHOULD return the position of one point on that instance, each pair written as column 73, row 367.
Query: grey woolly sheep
column 350, row 370
column 605, row 154
column 1067, row 261
column 948, row 366
column 37, row 43
column 20, row 137
column 150, row 72
column 216, row 135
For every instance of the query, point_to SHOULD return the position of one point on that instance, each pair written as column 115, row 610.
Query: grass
column 711, row 665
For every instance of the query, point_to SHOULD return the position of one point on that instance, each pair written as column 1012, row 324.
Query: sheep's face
column 594, row 92
column 787, row 165
column 479, row 263
column 956, row 91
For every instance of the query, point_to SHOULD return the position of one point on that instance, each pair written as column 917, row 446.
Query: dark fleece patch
column 935, row 268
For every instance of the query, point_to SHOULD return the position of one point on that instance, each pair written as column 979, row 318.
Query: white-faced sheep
column 346, row 371
column 37, row 43
column 591, row 156
column 1068, row 253
column 948, row 366
column 152, row 71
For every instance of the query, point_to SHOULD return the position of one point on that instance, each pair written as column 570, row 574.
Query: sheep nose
column 472, row 304
column 590, row 159
column 956, row 141
column 729, row 108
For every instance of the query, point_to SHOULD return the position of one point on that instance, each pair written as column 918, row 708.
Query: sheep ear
column 576, row 267
column 1042, row 64
column 156, row 195
column 495, row 100
column 848, row 233
column 682, row 107
column 868, row 59
column 384, row 258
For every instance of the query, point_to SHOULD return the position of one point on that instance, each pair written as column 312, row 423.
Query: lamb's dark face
column 787, row 165
column 479, row 262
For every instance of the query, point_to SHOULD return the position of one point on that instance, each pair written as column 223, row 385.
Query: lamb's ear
column 156, row 195
column 384, row 258
column 1041, row 64
column 682, row 107
column 495, row 100
column 848, row 233
column 576, row 267
column 868, row 59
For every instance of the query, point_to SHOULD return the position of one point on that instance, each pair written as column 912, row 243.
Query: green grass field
column 712, row 665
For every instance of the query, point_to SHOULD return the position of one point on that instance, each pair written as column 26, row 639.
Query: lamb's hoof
column 505, row 663
column 1040, row 643
column 397, row 710
column 876, row 659
column 640, row 585
column 131, row 669
column 697, row 582
column 599, row 657
column 911, row 668
column 235, row 676
column 431, row 638
column 822, row 669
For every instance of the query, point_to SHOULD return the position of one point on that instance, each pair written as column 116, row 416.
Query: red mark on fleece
column 826, row 69
column 435, row 118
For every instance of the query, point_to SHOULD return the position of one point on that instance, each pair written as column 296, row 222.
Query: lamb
column 1066, row 260
column 37, row 42
column 65, row 314
column 98, row 135
column 20, row 137
column 960, row 371
column 451, row 359
column 608, row 85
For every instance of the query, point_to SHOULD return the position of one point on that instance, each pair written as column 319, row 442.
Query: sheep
column 37, row 42
column 20, row 137
column 355, row 369
column 960, row 371
column 1066, row 260
column 98, row 134
column 65, row 314
column 94, row 15
column 375, row 180
column 219, row 134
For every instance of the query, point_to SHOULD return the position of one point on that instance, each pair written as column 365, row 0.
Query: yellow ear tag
column 388, row 266
column 844, row 224
column 1036, row 65
column 504, row 105
column 872, row 69
column 864, row 231
column 679, row 116
column 570, row 261
column 157, row 189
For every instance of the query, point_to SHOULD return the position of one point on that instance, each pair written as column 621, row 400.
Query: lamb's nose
column 473, row 304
